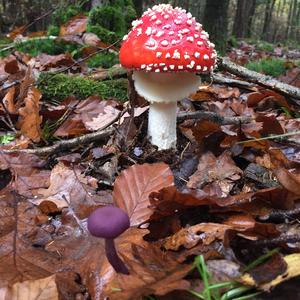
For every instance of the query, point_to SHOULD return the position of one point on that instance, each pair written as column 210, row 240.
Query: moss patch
column 269, row 66
column 56, row 87
column 111, row 21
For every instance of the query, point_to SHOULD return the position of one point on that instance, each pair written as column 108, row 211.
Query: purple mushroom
column 108, row 223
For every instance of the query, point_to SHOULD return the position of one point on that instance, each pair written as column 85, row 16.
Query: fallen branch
column 260, row 79
column 66, row 144
column 218, row 78
column 214, row 117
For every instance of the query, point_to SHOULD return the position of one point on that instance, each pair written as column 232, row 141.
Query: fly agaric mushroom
column 108, row 223
column 166, row 48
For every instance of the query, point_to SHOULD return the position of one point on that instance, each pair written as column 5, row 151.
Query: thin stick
column 214, row 117
column 65, row 144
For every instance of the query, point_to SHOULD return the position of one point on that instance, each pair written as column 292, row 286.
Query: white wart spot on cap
column 176, row 54
column 165, row 43
column 190, row 39
column 158, row 54
column 205, row 57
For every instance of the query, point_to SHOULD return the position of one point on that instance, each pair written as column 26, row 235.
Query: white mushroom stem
column 163, row 90
column 162, row 124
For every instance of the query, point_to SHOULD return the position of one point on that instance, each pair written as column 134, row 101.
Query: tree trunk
column 266, row 33
column 289, row 24
column 215, row 22
column 243, row 18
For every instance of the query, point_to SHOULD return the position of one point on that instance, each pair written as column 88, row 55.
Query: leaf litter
column 216, row 195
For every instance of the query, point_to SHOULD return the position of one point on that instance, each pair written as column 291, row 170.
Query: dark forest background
column 274, row 21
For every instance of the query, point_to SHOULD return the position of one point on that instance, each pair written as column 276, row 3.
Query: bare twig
column 283, row 238
column 260, row 79
column 218, row 78
column 216, row 118
column 7, row 115
column 281, row 215
column 65, row 144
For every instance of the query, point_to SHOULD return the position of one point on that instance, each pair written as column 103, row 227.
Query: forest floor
column 216, row 218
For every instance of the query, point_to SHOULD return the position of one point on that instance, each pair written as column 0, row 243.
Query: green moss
column 53, row 30
column 265, row 46
column 108, row 17
column 56, row 87
column 112, row 21
column 269, row 66
column 48, row 46
column 65, row 13
column 104, row 34
column 103, row 59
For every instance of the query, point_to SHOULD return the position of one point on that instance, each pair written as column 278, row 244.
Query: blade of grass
column 260, row 260
column 231, row 294
column 248, row 296
column 277, row 136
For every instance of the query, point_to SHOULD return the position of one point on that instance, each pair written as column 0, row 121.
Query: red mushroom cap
column 167, row 39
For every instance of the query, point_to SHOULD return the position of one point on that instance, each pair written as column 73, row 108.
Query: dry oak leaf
column 30, row 119
column 152, row 271
column 134, row 185
column 68, row 187
column 41, row 289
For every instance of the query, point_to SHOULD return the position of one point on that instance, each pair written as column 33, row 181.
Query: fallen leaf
column 75, row 25
column 293, row 269
column 151, row 270
column 189, row 237
column 134, row 185
column 204, row 128
column 8, row 101
column 41, row 289
column 220, row 171
column 269, row 270
column 30, row 119
column 68, row 187
column 289, row 180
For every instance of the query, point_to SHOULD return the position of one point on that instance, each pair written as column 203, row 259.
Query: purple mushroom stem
column 109, row 222
column 113, row 257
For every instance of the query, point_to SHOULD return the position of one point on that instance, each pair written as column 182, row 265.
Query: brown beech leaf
column 204, row 128
column 27, row 171
column 289, row 180
column 134, row 185
column 8, row 101
column 189, row 237
column 269, row 270
column 290, row 262
column 219, row 172
column 45, row 61
column 90, row 114
column 12, row 66
column 152, row 271
column 30, row 119
column 40, row 289
column 68, row 187
column 19, row 260
column 75, row 25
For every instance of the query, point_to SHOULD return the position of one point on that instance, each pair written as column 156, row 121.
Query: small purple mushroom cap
column 108, row 222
